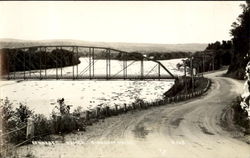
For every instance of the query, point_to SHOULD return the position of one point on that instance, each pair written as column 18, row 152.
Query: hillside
column 130, row 47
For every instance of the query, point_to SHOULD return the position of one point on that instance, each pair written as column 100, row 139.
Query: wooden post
column 87, row 115
column 168, row 100
column 107, row 110
column 30, row 128
column 133, row 105
column 116, row 108
column 97, row 112
column 140, row 106
column 125, row 107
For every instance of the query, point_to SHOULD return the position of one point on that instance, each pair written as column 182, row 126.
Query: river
column 41, row 96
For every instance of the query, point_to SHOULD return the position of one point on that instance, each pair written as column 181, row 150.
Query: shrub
column 77, row 112
column 7, row 113
column 42, row 127
column 64, row 121
column 23, row 113
column 14, row 122
column 240, row 115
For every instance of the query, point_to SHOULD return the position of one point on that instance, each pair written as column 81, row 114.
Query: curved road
column 190, row 129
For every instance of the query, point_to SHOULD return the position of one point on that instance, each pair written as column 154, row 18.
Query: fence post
column 169, row 100
column 177, row 98
column 158, row 103
column 164, row 101
column 107, row 110
column 133, row 105
column 116, row 109
column 30, row 128
column 97, row 112
column 125, row 107
column 1, row 142
column 85, row 115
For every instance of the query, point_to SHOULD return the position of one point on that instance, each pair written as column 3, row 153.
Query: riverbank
column 184, row 86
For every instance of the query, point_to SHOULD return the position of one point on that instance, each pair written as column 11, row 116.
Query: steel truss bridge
column 77, row 73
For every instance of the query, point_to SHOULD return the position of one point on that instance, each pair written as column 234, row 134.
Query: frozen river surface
column 41, row 96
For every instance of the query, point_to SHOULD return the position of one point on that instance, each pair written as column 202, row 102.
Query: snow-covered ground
column 41, row 96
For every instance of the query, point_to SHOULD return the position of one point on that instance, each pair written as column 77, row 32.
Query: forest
column 34, row 59
column 240, row 33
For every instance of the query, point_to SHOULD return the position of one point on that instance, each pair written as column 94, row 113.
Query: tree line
column 234, row 52
column 240, row 33
column 33, row 59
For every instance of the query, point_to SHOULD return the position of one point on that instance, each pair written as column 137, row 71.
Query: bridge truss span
column 80, row 62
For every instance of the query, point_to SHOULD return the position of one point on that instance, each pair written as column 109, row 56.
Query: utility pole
column 213, row 62
column 203, row 64
column 185, row 76
column 192, row 74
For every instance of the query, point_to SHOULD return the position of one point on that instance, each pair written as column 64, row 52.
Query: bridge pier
column 45, row 61
column 24, row 65
column 56, row 67
column 93, row 62
column 61, row 65
column 108, row 64
column 159, row 71
column 40, row 63
column 90, row 63
column 125, row 66
column 73, row 75
column 29, row 51
column 142, row 69
column 77, row 64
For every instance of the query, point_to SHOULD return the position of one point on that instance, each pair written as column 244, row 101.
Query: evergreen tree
column 241, row 42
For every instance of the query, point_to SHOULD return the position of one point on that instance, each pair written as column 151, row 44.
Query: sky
column 167, row 22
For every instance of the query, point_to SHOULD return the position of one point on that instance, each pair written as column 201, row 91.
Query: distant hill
column 130, row 47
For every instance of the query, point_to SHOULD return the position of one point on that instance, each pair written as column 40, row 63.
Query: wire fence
column 6, row 147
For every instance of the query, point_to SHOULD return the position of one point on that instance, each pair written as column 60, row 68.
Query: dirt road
column 190, row 129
